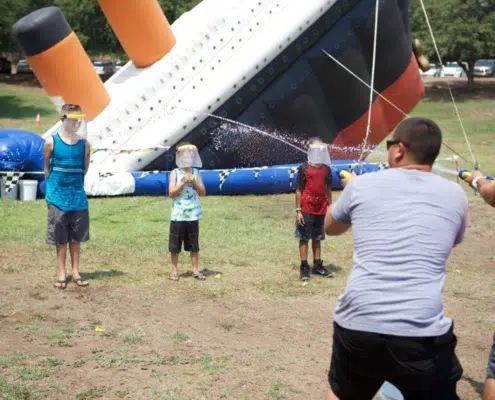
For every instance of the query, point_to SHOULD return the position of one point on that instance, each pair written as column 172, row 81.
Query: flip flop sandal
column 63, row 285
column 173, row 277
column 80, row 282
column 199, row 275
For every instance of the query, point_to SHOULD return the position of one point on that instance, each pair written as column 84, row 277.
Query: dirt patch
column 254, row 333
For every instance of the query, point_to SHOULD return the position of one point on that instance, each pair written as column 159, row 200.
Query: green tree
column 463, row 30
column 92, row 28
column 10, row 12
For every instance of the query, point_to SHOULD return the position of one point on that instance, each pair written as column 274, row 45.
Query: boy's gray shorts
column 67, row 226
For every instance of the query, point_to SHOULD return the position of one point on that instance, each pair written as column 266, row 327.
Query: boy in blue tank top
column 185, row 187
column 66, row 157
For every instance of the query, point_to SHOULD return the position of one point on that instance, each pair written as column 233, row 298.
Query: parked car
column 453, row 69
column 433, row 71
column 484, row 68
column 5, row 65
column 23, row 67
column 104, row 68
column 118, row 65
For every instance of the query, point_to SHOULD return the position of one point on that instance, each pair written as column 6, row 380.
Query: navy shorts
column 67, row 226
column 490, row 372
column 313, row 228
column 186, row 232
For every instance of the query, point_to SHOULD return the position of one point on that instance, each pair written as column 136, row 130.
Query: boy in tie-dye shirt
column 185, row 187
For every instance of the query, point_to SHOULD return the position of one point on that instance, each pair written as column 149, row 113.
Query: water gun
column 344, row 174
column 464, row 174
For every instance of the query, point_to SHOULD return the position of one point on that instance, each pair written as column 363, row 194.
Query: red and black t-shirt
column 314, row 184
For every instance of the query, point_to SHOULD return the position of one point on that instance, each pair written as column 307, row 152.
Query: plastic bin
column 29, row 189
column 12, row 194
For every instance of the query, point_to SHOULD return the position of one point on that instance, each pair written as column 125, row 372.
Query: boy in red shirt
column 313, row 195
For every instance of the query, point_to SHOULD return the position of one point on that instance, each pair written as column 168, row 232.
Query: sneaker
column 319, row 269
column 304, row 274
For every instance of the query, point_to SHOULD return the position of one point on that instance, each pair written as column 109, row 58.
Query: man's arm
column 47, row 155
column 334, row 227
column 485, row 187
column 487, row 191
column 87, row 157
column 338, row 218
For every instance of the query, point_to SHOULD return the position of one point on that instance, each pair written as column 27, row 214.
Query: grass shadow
column 208, row 272
column 112, row 273
column 478, row 386
column 13, row 107
column 333, row 268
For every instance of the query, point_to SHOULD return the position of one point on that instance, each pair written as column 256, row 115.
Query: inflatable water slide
column 216, row 77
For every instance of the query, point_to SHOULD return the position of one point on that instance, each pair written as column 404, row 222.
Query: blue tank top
column 65, row 183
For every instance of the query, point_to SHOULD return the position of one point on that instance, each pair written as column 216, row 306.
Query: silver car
column 484, row 68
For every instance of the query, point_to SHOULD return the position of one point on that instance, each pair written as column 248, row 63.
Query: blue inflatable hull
column 245, row 181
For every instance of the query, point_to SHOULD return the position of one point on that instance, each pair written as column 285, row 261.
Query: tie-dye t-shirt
column 187, row 205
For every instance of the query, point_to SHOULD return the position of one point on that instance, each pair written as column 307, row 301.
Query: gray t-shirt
column 404, row 224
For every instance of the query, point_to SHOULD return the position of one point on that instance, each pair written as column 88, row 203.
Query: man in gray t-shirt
column 389, row 322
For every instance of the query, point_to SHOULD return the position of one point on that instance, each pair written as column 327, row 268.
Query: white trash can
column 12, row 194
column 28, row 190
column 389, row 392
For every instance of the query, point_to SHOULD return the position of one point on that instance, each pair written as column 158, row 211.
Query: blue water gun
column 464, row 174
column 344, row 174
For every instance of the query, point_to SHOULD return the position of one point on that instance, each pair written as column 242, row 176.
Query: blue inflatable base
column 245, row 181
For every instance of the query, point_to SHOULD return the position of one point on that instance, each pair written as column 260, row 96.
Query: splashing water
column 273, row 135
column 440, row 168
column 244, row 126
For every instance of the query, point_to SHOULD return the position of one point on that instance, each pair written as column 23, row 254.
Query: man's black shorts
column 183, row 231
column 313, row 228
column 421, row 368
column 490, row 372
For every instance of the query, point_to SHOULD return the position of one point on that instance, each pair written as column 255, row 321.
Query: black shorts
column 313, row 228
column 67, row 226
column 421, row 368
column 490, row 372
column 183, row 231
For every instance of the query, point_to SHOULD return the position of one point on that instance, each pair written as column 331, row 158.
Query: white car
column 453, row 69
column 484, row 68
column 433, row 71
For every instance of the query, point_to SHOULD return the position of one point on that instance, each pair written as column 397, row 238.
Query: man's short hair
column 422, row 138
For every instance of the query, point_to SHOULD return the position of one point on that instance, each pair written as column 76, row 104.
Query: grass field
column 251, row 331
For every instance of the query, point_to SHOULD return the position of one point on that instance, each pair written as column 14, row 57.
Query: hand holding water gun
column 346, row 177
column 475, row 178
column 484, row 185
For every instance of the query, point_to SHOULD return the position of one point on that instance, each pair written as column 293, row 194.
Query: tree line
column 464, row 30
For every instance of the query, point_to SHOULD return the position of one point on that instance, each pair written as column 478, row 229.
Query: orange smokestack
column 142, row 29
column 60, row 62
